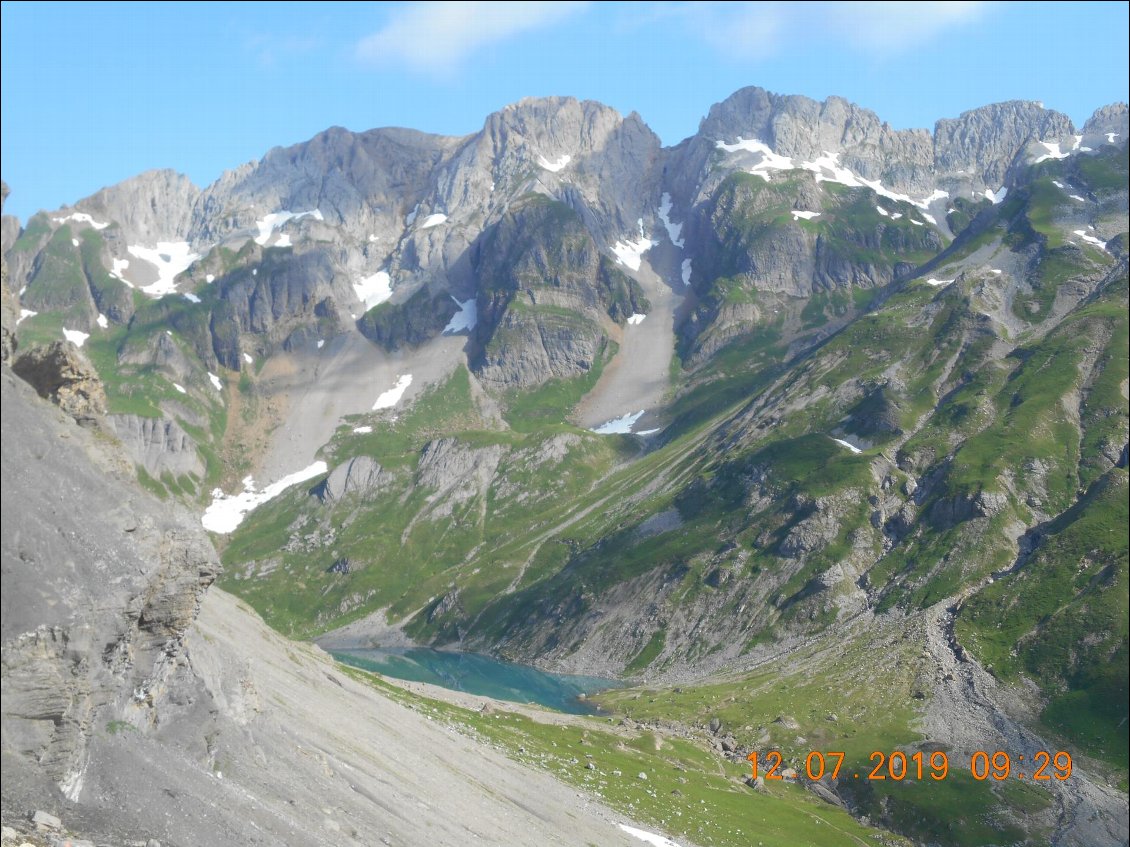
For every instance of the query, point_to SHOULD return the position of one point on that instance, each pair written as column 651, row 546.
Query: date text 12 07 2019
column 999, row 766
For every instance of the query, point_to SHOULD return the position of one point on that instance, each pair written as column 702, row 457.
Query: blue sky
column 95, row 92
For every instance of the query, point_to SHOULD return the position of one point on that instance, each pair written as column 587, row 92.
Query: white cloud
column 436, row 36
column 757, row 30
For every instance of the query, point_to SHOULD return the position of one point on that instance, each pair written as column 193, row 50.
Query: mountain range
column 811, row 431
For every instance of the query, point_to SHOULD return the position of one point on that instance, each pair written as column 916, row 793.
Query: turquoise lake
column 478, row 674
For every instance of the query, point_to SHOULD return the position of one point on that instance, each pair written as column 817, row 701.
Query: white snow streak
column 433, row 220
column 826, row 168
column 391, row 397
column 215, row 380
column 374, row 289
column 686, row 272
column 1077, row 197
column 273, row 221
column 465, row 319
column 621, row 425
column 170, row 258
column 938, row 283
column 247, row 358
column 636, row 318
column 179, row 388
column 1090, row 239
column 76, row 337
column 650, row 837
column 554, row 167
column 674, row 231
column 102, row 321
column 227, row 512
column 804, row 215
column 362, row 430
column 25, row 313
column 848, row 445
column 882, row 211
column 191, row 298
column 82, row 218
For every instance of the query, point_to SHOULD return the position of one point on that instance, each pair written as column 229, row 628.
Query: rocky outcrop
column 545, row 295
column 100, row 584
column 62, row 374
column 1114, row 118
column 360, row 476
column 157, row 444
column 456, row 473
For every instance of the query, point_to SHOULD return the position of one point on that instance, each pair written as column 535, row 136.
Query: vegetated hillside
column 896, row 421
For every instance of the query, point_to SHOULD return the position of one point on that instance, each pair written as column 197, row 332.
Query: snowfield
column 170, row 258
column 227, row 512
column 391, row 397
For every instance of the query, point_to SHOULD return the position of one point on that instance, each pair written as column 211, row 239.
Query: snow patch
column 882, row 211
column 1110, row 136
column 76, row 337
column 273, row 221
column 465, row 319
column 432, row 220
column 1090, row 239
column 621, row 425
column 191, row 298
column 930, row 218
column 215, row 380
column 649, row 837
column 179, row 388
column 411, row 218
column 75, row 242
column 170, row 258
column 848, row 445
column 117, row 268
column 227, row 512
column 917, row 223
column 686, row 272
column 630, row 253
column 82, row 218
column 804, row 215
column 1053, row 151
column 996, row 197
column 938, row 283
column 321, row 343
column 1078, row 141
column 283, row 240
column 102, row 321
column 374, row 289
column 391, row 397
column 362, row 430
column 556, row 166
column 1077, row 197
column 674, row 231
column 247, row 358
column 996, row 271
column 25, row 313
column 210, row 278
column 896, row 215
column 636, row 318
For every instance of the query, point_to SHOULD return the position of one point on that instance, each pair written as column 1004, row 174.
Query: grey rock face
column 99, row 583
column 456, row 473
column 1113, row 118
column 360, row 476
column 157, row 444
column 982, row 143
column 150, row 207
column 546, row 293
